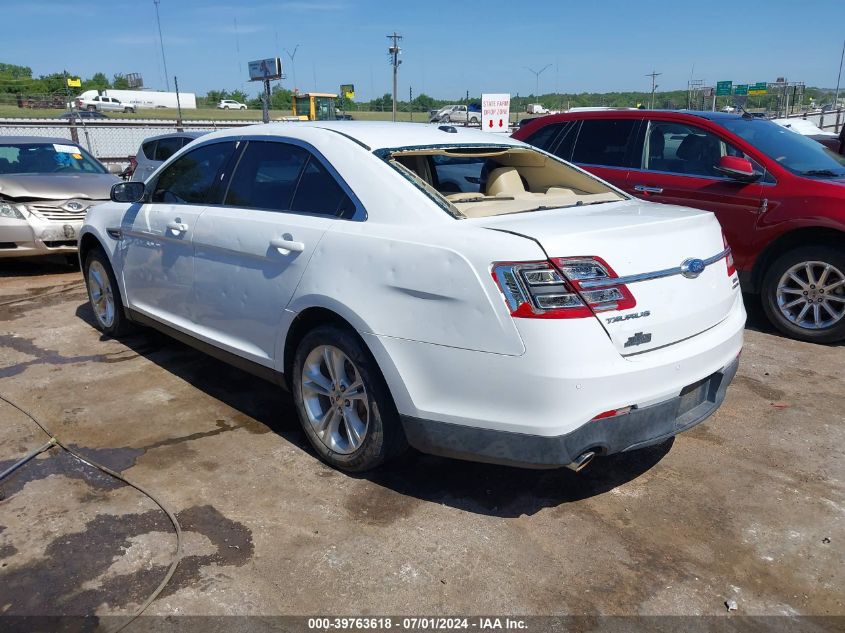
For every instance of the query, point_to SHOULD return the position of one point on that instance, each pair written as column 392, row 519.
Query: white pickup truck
column 455, row 114
column 103, row 104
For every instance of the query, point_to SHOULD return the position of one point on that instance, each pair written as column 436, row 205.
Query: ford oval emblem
column 692, row 268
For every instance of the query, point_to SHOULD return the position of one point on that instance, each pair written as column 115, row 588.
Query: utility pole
column 178, row 104
column 394, row 51
column 654, row 77
column 836, row 98
column 161, row 41
column 411, row 101
column 537, row 74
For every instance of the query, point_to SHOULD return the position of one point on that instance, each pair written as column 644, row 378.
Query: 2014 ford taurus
column 448, row 289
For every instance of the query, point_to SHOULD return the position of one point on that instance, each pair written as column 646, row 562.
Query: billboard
column 265, row 69
column 348, row 91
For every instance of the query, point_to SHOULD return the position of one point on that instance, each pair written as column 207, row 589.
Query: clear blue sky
column 450, row 46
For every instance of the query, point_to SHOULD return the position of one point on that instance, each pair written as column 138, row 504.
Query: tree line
column 16, row 79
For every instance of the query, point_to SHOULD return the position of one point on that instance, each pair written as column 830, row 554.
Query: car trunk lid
column 648, row 244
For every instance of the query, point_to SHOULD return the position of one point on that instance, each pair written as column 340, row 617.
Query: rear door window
column 605, row 142
column 266, row 176
column 318, row 192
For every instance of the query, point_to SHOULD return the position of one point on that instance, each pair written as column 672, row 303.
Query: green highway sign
column 723, row 88
column 741, row 89
column 760, row 88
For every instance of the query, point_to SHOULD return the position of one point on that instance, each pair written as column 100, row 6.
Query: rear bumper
column 641, row 427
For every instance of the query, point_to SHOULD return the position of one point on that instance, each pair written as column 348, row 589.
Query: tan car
column 46, row 187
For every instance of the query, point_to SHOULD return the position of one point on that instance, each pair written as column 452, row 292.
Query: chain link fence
column 111, row 142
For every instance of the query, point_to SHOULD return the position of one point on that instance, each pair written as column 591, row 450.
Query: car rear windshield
column 800, row 155
column 46, row 158
column 482, row 181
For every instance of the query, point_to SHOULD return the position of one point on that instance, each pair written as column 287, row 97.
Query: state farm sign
column 495, row 110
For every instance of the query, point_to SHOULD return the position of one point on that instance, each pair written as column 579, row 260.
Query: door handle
column 286, row 247
column 177, row 227
column 645, row 189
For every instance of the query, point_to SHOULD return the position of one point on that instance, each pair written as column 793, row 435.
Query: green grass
column 11, row 111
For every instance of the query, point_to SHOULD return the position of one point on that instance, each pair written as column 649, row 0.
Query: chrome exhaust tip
column 581, row 462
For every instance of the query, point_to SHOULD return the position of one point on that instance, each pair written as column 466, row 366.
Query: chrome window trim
column 656, row 274
column 700, row 177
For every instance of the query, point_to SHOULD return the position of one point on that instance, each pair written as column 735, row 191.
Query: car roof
column 634, row 113
column 192, row 134
column 32, row 140
column 376, row 135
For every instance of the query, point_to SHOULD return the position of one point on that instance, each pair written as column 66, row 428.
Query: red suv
column 779, row 196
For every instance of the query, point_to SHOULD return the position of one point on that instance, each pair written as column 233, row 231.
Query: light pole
column 394, row 51
column 537, row 74
column 161, row 41
column 293, row 63
column 838, row 77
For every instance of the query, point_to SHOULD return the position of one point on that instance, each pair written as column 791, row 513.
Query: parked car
column 230, row 104
column 82, row 114
column 539, row 319
column 154, row 151
column 779, row 196
column 343, row 117
column 100, row 103
column 46, row 187
column 810, row 130
column 457, row 114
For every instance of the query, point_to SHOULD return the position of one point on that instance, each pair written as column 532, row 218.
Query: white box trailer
column 146, row 98
column 153, row 98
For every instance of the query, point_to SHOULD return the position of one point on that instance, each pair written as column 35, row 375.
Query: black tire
column 384, row 438
column 828, row 255
column 91, row 108
column 225, row 107
column 119, row 325
column 474, row 120
column 447, row 119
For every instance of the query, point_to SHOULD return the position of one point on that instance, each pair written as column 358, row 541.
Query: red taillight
column 729, row 258
column 558, row 289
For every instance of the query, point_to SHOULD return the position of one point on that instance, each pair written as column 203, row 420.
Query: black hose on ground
column 54, row 441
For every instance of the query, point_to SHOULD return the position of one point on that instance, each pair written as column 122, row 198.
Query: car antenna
column 745, row 113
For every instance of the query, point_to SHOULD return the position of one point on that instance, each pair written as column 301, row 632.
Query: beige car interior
column 525, row 180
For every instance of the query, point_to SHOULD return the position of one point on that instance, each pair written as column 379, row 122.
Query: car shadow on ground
column 38, row 266
column 479, row 488
column 758, row 322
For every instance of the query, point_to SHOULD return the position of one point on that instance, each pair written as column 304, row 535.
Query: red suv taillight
column 729, row 258
column 554, row 289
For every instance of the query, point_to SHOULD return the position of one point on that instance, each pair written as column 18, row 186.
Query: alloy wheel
column 335, row 399
column 812, row 295
column 101, row 294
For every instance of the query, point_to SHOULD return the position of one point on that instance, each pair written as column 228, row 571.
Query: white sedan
column 448, row 289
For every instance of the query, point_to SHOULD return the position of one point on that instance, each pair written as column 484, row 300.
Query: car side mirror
column 132, row 191
column 737, row 168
